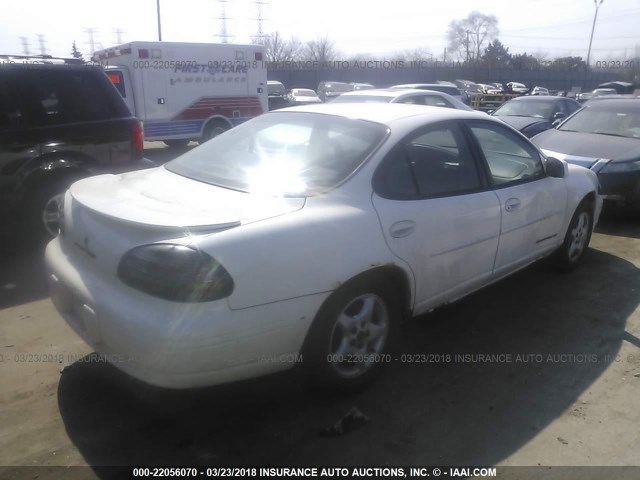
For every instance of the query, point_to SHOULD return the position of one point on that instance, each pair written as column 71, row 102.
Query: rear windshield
column 362, row 99
column 283, row 153
column 304, row 93
column 338, row 87
column 40, row 96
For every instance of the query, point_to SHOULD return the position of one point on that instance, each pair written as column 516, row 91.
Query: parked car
column 400, row 95
column 498, row 86
column 312, row 229
column 327, row 91
column 361, row 86
column 303, row 96
column 448, row 88
column 489, row 89
column 277, row 95
column 534, row 114
column 598, row 92
column 59, row 122
column 540, row 91
column 515, row 87
column 603, row 136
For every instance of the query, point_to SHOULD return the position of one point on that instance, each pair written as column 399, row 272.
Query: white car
column 303, row 96
column 516, row 87
column 411, row 96
column 309, row 230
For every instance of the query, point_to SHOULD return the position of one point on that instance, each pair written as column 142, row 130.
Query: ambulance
column 188, row 91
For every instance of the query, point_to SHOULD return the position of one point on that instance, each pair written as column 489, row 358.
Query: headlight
column 175, row 272
column 620, row 167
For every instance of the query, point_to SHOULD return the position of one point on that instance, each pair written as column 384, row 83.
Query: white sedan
column 307, row 234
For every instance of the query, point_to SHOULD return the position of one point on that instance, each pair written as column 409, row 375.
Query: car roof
column 414, row 85
column 389, row 92
column 387, row 113
column 626, row 104
column 537, row 98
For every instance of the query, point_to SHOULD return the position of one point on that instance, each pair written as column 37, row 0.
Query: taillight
column 137, row 139
column 175, row 272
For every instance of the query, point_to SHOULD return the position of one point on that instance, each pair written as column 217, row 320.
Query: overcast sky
column 555, row 27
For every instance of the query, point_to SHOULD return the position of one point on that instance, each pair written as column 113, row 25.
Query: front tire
column 348, row 343
column 577, row 238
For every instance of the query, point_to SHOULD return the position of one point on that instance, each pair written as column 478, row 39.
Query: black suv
column 58, row 122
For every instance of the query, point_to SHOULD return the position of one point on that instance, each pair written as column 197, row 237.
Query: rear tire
column 213, row 129
column 577, row 238
column 44, row 208
column 348, row 343
column 180, row 144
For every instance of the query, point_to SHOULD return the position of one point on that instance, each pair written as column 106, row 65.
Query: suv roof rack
column 41, row 59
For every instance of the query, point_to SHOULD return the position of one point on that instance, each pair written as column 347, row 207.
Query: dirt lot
column 563, row 391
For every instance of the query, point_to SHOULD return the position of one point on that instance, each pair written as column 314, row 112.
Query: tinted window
column 434, row 163
column 118, row 80
column 13, row 111
column 510, row 158
column 60, row 97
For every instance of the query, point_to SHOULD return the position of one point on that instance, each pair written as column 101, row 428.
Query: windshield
column 362, row 99
column 522, row 108
column 609, row 120
column 283, row 153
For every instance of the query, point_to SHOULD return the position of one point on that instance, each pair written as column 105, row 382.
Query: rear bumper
column 170, row 344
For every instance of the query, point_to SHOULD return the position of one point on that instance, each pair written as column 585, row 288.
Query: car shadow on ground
column 432, row 405
column 619, row 224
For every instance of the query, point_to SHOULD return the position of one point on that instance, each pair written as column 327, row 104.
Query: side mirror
column 490, row 111
column 558, row 115
column 555, row 168
column 557, row 122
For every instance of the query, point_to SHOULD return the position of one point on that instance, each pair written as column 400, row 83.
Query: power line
column 91, row 42
column 25, row 45
column 223, row 35
column 43, row 47
column 259, row 34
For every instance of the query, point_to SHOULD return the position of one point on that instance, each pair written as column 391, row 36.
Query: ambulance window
column 118, row 80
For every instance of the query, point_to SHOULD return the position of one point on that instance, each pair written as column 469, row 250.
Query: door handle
column 511, row 204
column 403, row 228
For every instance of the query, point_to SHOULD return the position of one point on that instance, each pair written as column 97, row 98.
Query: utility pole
column 159, row 28
column 91, row 42
column 25, row 45
column 468, row 32
column 593, row 27
column 118, row 32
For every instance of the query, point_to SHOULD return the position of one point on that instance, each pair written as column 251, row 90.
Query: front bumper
column 622, row 188
column 170, row 344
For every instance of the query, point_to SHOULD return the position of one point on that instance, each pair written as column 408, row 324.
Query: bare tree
column 467, row 36
column 279, row 49
column 418, row 54
column 321, row 50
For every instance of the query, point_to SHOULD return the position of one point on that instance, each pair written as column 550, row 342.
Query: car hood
column 160, row 198
column 587, row 146
column 520, row 123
